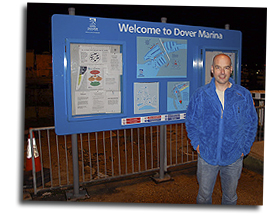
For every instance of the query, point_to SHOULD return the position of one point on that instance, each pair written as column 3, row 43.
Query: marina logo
column 92, row 27
column 93, row 22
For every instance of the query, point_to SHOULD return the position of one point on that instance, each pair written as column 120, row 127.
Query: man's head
column 221, row 69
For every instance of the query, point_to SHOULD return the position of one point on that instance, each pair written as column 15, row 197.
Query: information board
column 111, row 74
column 96, row 71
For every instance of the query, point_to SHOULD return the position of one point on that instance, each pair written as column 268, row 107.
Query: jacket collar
column 211, row 92
column 211, row 87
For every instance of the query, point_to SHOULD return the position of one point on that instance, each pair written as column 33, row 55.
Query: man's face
column 221, row 69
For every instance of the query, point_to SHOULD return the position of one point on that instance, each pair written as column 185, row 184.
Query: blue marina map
column 161, row 57
column 177, row 96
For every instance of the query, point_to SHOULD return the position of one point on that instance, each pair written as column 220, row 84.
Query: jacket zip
column 220, row 133
column 222, row 113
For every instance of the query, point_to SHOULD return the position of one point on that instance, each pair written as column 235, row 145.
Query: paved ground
column 181, row 190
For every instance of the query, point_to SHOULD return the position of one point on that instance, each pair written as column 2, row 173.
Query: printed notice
column 97, row 101
column 112, row 82
column 116, row 63
column 146, row 97
column 113, row 101
column 81, row 103
column 91, row 102
column 96, row 74
column 95, row 78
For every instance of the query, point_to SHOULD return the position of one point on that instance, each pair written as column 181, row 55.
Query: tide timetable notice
column 111, row 74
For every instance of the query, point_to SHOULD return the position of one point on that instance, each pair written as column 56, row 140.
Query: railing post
column 162, row 151
column 33, row 162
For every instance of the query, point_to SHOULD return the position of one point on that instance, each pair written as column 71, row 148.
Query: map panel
column 146, row 97
column 177, row 96
column 161, row 57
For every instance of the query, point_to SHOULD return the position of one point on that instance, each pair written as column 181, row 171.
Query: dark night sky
column 251, row 21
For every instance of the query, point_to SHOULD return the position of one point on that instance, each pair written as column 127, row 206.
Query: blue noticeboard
column 111, row 74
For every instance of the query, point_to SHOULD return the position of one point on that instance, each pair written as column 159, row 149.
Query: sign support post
column 75, row 163
column 75, row 193
column 162, row 176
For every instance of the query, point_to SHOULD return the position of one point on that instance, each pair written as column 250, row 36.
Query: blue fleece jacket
column 222, row 134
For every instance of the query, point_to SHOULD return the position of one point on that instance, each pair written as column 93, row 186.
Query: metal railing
column 107, row 154
column 261, row 118
column 111, row 154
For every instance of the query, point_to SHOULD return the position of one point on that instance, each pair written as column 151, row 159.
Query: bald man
column 221, row 123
